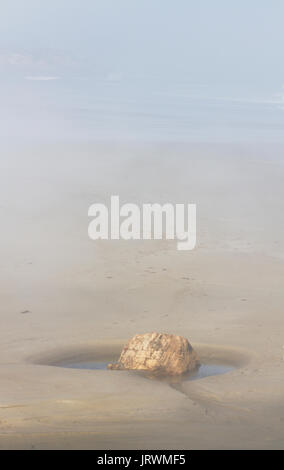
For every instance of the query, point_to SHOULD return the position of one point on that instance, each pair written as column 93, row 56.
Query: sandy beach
column 63, row 295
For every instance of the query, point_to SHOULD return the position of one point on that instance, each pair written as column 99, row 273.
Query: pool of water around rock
column 205, row 370
column 215, row 361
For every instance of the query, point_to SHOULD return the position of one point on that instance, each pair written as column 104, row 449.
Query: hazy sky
column 220, row 37
column 203, row 42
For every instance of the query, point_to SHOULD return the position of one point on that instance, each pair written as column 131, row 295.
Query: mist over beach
column 157, row 103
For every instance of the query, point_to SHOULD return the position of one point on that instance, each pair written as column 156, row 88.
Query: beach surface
column 63, row 295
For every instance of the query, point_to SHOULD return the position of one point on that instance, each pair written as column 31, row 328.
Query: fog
column 124, row 70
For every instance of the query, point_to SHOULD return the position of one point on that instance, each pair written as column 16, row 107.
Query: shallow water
column 205, row 370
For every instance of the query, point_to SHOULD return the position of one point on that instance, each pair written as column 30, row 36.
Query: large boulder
column 161, row 354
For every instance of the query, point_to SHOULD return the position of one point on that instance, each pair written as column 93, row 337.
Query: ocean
column 141, row 108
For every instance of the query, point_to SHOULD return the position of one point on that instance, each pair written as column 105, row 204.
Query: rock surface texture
column 159, row 353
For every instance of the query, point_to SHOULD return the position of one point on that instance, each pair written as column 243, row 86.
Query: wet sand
column 62, row 294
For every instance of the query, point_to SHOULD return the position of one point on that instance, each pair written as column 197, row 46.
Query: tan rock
column 159, row 353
